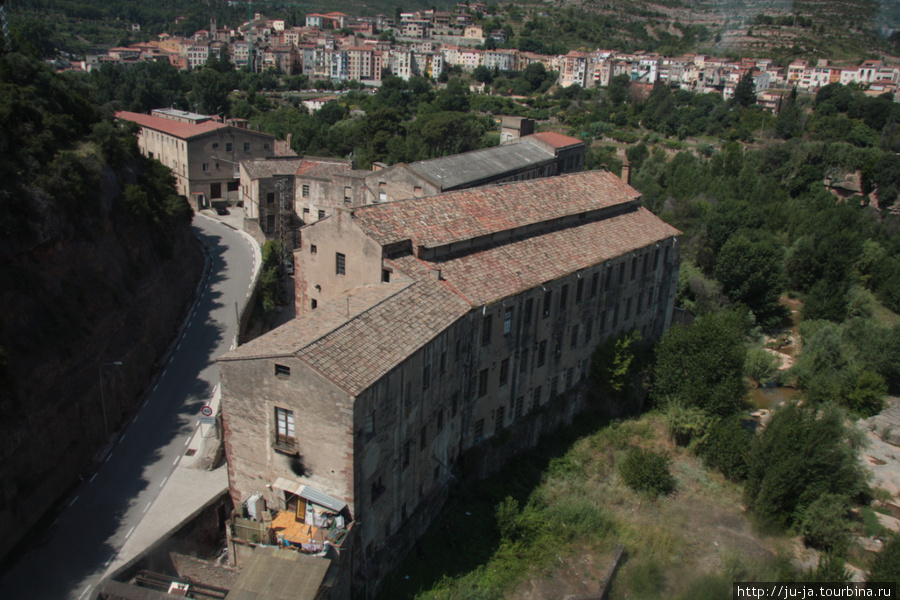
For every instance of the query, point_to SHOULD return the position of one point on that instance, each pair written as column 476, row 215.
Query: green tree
column 745, row 91
column 702, row 365
column 750, row 270
column 615, row 365
column 800, row 455
column 867, row 398
column 209, row 93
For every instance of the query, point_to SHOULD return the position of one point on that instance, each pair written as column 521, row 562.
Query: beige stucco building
column 427, row 326
column 204, row 154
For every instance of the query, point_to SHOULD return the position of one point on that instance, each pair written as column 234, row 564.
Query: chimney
column 626, row 173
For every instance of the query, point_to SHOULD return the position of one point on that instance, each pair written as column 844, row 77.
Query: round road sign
column 206, row 411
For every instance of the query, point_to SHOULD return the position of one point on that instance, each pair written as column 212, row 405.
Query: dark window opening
column 482, row 382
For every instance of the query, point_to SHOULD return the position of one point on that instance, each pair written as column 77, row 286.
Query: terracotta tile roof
column 322, row 168
column 171, row 127
column 260, row 168
column 371, row 345
column 506, row 269
column 556, row 140
column 456, row 216
column 297, row 333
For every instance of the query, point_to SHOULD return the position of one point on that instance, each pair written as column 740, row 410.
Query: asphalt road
column 104, row 510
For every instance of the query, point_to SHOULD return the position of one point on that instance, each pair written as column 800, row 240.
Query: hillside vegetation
column 97, row 263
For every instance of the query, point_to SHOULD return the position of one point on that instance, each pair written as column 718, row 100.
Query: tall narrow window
column 486, row 330
column 548, row 298
column 563, row 297
column 340, row 264
column 542, row 353
column 284, row 426
column 529, row 308
column 482, row 382
column 574, row 341
column 305, row 190
column 504, row 372
column 595, row 283
column 579, row 291
column 507, row 321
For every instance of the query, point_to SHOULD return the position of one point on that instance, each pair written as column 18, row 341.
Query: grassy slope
column 573, row 512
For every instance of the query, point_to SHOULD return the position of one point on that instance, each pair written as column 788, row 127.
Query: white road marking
column 93, row 477
column 188, row 440
column 178, row 347
column 108, row 456
column 166, row 478
column 55, row 522
column 146, row 508
column 130, row 531
column 177, row 458
column 110, row 559
column 86, row 590
column 122, row 439
column 135, row 418
column 74, row 500
column 215, row 389
column 155, row 386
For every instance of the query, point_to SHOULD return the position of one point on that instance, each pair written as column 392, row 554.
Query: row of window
column 528, row 309
column 229, row 147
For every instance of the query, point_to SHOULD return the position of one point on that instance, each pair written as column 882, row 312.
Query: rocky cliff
column 98, row 264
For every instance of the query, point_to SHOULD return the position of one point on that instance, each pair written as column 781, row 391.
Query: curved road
column 103, row 511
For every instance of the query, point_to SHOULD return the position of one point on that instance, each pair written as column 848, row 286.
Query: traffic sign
column 207, row 420
column 206, row 411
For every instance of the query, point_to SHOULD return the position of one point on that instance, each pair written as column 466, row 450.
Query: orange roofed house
column 203, row 153
column 427, row 327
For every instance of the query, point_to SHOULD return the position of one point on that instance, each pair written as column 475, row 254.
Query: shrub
column 801, row 455
column 761, row 366
column 823, row 523
column 886, row 566
column 647, row 472
column 726, row 447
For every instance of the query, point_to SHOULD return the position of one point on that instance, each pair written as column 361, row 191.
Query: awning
column 311, row 494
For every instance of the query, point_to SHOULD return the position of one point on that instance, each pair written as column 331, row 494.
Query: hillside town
column 342, row 48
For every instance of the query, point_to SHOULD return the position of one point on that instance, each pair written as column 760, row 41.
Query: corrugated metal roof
column 321, row 498
column 311, row 494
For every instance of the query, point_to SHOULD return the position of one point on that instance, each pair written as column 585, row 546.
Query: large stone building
column 428, row 325
column 203, row 153
column 321, row 186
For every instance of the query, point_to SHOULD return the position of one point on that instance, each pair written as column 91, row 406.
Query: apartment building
column 427, row 327
column 204, row 154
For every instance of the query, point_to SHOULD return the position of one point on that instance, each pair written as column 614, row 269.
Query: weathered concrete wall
column 321, row 454
column 316, row 261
